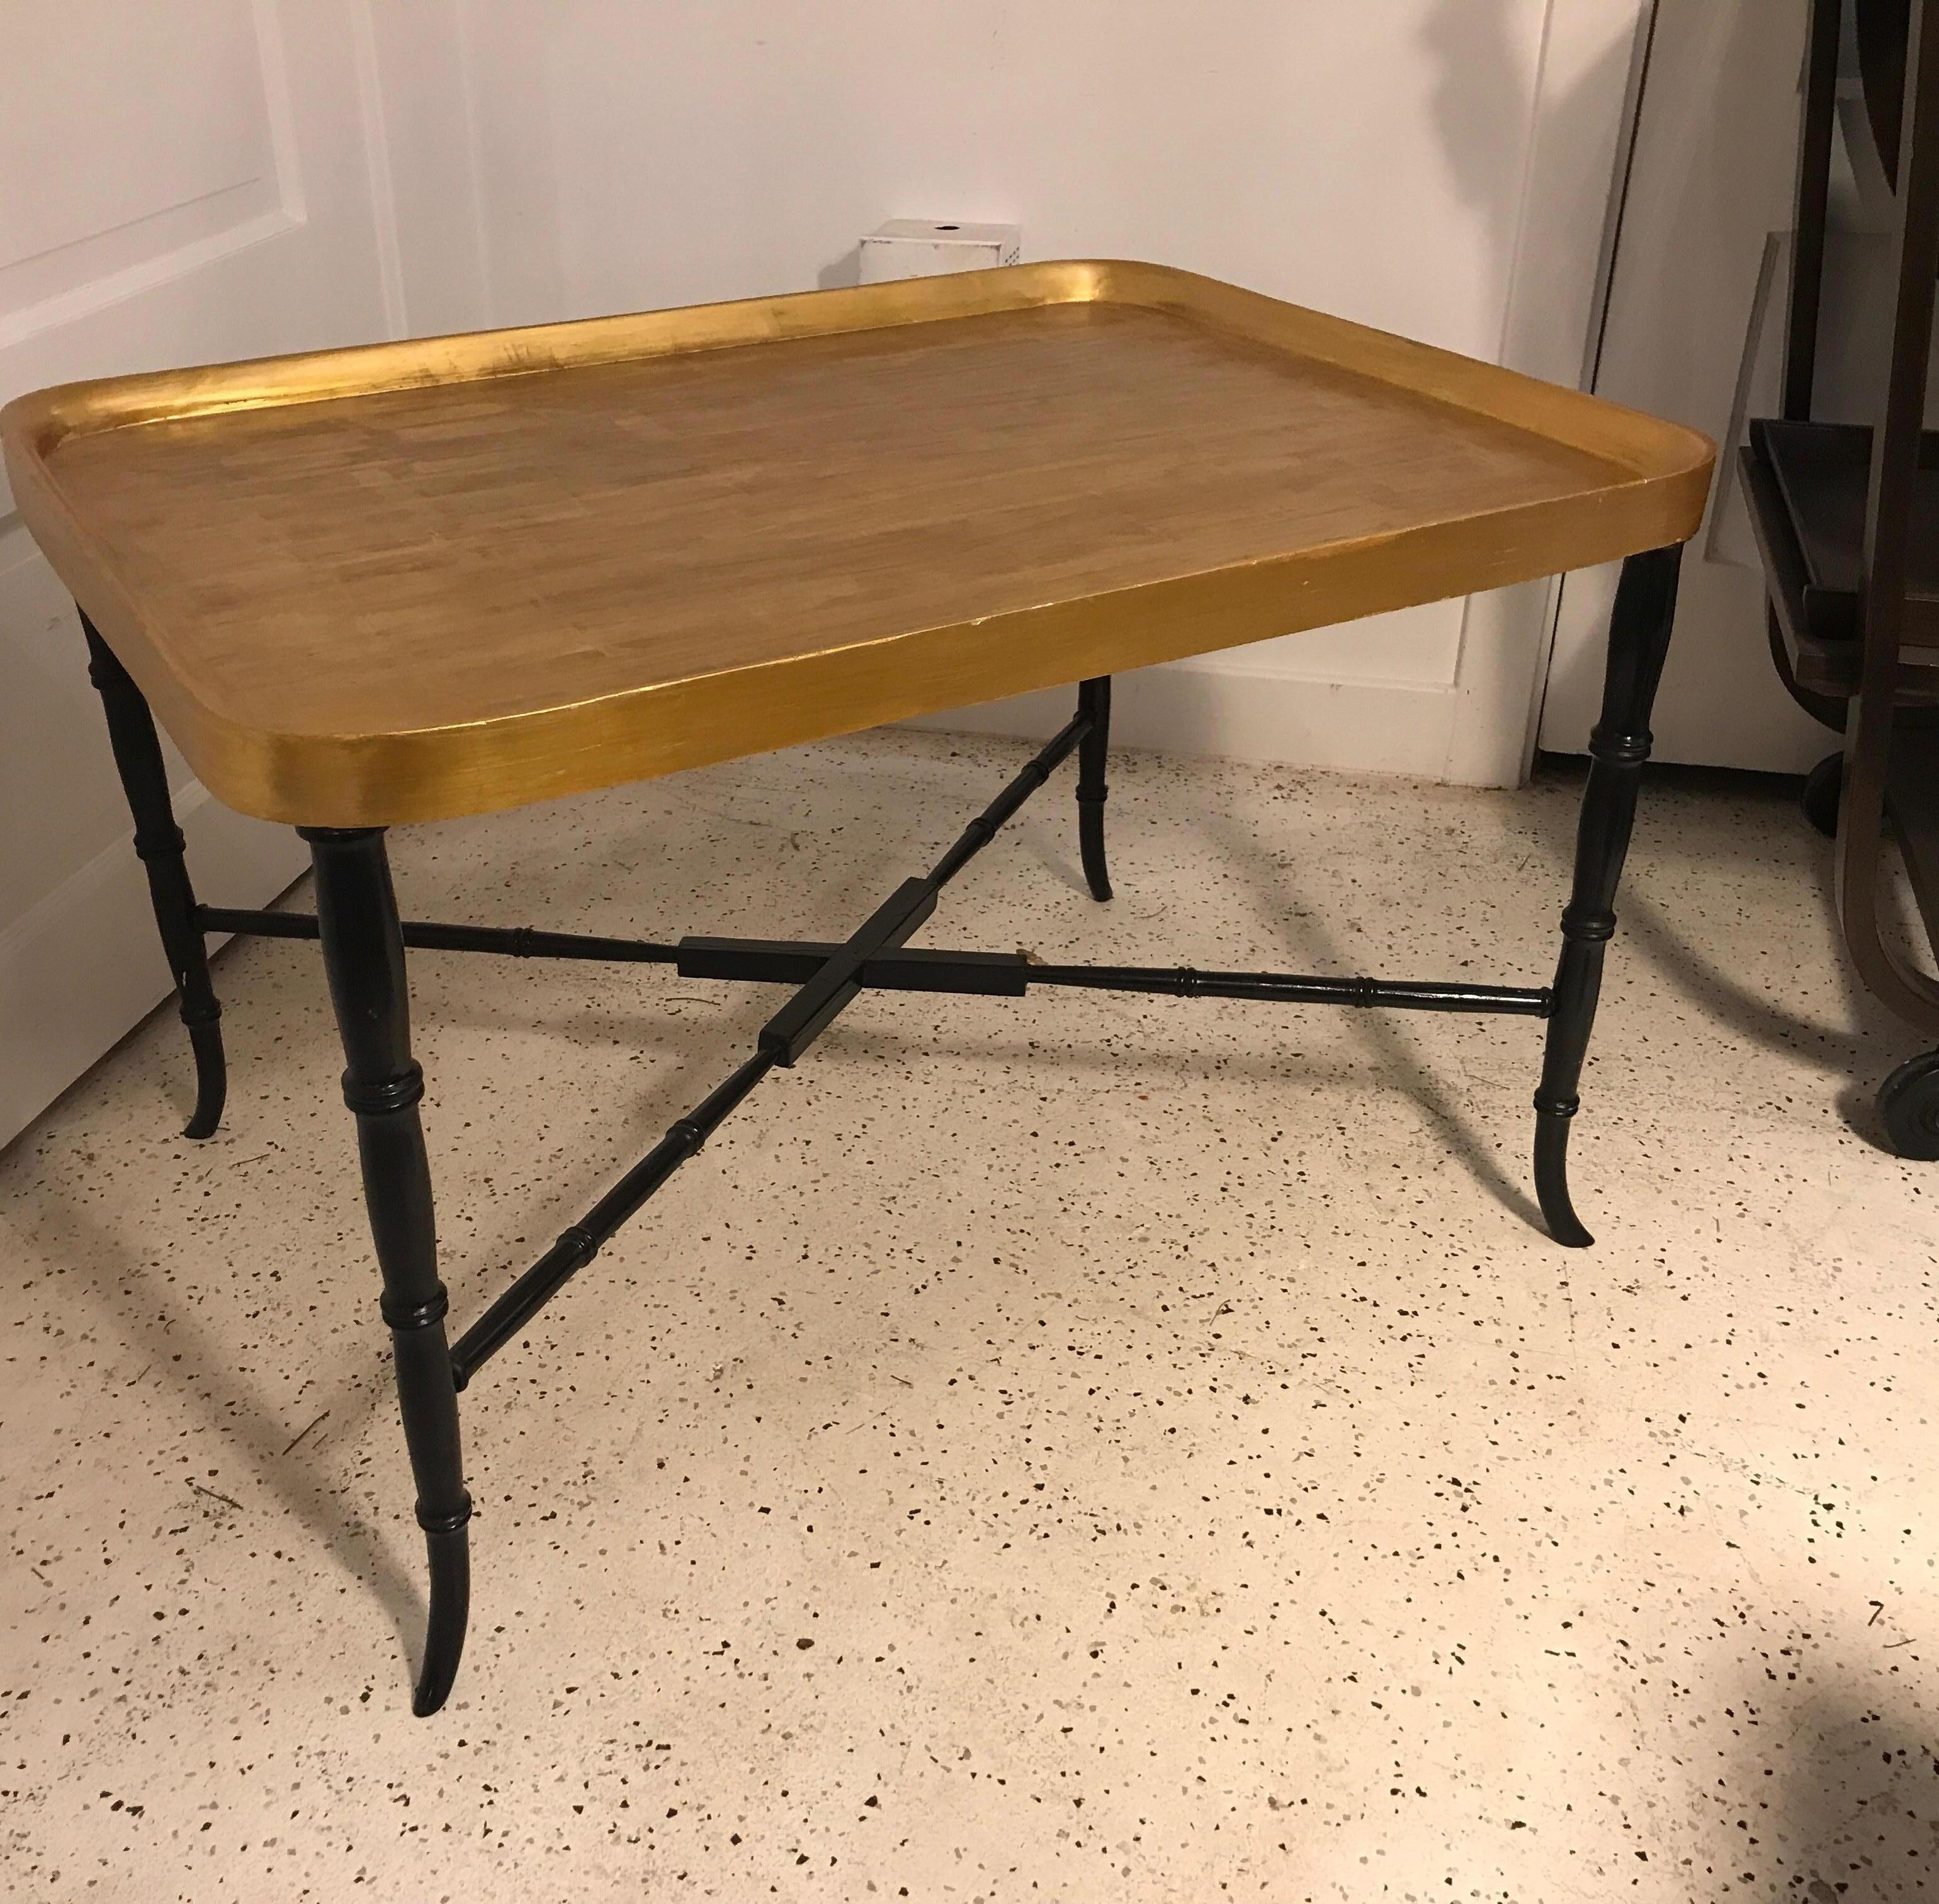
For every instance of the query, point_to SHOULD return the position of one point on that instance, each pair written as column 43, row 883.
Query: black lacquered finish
column 1093, row 706
column 1009, row 975
column 158, row 841
column 1297, row 988
column 982, row 829
column 1639, row 641
column 578, row 1244
column 363, row 956
column 815, row 1007
column 510, row 941
column 794, row 961
column 863, row 964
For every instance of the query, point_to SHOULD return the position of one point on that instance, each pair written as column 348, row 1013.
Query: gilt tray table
column 366, row 587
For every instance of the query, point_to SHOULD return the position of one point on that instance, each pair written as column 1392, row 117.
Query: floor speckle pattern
column 1082, row 1448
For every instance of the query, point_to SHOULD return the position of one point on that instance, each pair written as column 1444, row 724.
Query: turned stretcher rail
column 1010, row 975
column 1006, row 975
column 423, row 935
column 579, row 1243
column 832, row 985
column 829, row 978
column 1298, row 988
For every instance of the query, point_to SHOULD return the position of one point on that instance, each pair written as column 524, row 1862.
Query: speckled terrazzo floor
column 1084, row 1448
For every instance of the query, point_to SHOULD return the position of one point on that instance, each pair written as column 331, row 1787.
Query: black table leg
column 159, row 843
column 363, row 955
column 1094, row 702
column 1638, row 640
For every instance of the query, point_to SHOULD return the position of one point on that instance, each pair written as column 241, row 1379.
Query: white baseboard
column 1240, row 714
column 81, row 968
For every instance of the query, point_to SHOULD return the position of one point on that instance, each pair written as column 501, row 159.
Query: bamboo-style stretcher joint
column 833, row 985
column 829, row 978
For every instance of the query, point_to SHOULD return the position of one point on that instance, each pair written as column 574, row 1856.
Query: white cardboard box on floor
column 915, row 247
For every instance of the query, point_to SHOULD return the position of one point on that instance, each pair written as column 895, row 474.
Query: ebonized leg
column 159, row 843
column 363, row 955
column 1094, row 698
column 1638, row 640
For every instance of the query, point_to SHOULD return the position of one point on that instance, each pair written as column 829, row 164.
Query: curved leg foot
column 1093, row 697
column 211, row 1078
column 1551, row 1180
column 1638, row 640
column 364, row 953
column 158, row 841
column 447, row 1550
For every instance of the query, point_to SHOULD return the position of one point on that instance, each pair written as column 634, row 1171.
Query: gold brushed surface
column 410, row 581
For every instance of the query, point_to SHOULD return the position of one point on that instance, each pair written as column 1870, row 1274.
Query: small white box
column 915, row 247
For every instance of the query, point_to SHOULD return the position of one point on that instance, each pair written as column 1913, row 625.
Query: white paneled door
column 1695, row 311
column 179, row 183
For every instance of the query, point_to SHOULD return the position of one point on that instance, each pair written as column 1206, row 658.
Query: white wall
column 1441, row 168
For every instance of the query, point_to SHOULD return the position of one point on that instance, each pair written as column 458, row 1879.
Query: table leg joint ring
column 384, row 1097
column 1587, row 927
column 401, row 1315
column 1619, row 749
column 159, row 843
column 451, row 1522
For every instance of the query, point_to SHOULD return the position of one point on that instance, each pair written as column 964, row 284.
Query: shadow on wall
column 1481, row 70
column 1484, row 67
column 843, row 272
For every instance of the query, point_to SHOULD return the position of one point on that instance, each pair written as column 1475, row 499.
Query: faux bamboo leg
column 363, row 955
column 160, row 846
column 1638, row 640
column 1093, row 699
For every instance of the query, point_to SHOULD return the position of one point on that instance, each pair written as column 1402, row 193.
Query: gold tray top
column 413, row 580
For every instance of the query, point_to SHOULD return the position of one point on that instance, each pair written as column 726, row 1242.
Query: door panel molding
column 158, row 212
column 272, row 229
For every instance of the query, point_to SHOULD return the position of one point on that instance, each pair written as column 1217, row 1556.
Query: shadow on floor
column 1832, row 1798
column 1863, row 1044
column 168, row 1336
column 1392, row 1047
